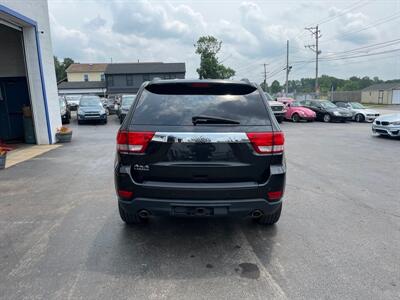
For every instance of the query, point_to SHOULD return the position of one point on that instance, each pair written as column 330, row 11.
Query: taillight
column 267, row 142
column 125, row 194
column 274, row 196
column 133, row 142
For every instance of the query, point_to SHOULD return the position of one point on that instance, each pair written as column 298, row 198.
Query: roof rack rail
column 156, row 79
column 245, row 80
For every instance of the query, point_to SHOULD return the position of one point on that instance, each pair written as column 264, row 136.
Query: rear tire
column 295, row 118
column 270, row 219
column 80, row 122
column 327, row 118
column 130, row 219
column 359, row 118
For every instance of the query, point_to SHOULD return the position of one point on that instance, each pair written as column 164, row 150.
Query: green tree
column 275, row 87
column 208, row 47
column 67, row 62
column 60, row 67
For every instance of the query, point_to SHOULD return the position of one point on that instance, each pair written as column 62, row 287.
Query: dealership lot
column 61, row 236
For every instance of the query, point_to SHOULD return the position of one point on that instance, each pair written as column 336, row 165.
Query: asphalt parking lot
column 338, row 238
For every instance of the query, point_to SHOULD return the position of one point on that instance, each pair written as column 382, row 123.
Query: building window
column 146, row 77
column 110, row 80
column 85, row 77
column 129, row 80
column 102, row 77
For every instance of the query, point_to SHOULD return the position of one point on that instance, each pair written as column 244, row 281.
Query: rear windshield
column 90, row 101
column 175, row 110
column 127, row 101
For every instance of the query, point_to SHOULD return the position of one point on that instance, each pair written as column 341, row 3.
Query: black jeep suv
column 200, row 148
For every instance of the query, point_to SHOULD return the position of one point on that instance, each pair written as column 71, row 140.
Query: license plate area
column 198, row 211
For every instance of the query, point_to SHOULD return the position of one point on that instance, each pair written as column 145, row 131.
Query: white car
column 387, row 125
column 360, row 112
column 277, row 107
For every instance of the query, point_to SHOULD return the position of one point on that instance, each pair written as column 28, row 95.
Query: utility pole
column 288, row 68
column 265, row 77
column 316, row 33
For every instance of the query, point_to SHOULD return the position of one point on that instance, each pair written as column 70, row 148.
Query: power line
column 361, row 55
column 358, row 50
column 368, row 48
column 384, row 20
column 351, row 56
column 275, row 73
column 346, row 11
column 371, row 25
column 330, row 18
column 368, row 60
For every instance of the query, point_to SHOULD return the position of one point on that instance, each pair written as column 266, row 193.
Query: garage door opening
column 16, row 123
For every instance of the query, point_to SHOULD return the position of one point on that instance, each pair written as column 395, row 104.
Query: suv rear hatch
column 199, row 134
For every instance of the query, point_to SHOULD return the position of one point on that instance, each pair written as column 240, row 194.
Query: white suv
column 277, row 107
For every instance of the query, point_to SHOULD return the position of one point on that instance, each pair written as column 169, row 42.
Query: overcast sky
column 253, row 33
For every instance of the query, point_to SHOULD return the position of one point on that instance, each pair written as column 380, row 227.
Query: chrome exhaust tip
column 144, row 214
column 200, row 211
column 256, row 213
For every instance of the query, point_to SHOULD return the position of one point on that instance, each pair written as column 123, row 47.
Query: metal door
column 380, row 97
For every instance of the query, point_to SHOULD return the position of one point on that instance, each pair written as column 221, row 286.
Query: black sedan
column 64, row 110
column 327, row 111
column 126, row 104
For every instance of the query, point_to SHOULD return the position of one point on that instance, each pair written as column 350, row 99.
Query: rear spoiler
column 200, row 87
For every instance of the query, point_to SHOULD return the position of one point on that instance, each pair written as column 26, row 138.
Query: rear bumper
column 198, row 208
column 182, row 199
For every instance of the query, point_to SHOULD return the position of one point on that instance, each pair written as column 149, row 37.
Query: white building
column 27, row 76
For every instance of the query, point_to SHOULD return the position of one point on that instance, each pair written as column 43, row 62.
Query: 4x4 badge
column 137, row 167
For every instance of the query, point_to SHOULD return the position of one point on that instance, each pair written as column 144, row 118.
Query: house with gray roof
column 82, row 87
column 381, row 93
column 126, row 78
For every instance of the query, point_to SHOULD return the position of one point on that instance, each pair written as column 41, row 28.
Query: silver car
column 360, row 112
column 387, row 125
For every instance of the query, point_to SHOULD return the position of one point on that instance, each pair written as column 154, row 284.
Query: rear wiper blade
column 212, row 120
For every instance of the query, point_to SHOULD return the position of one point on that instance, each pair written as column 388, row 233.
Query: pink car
column 296, row 112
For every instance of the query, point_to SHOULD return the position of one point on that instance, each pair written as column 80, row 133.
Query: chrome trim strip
column 200, row 137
